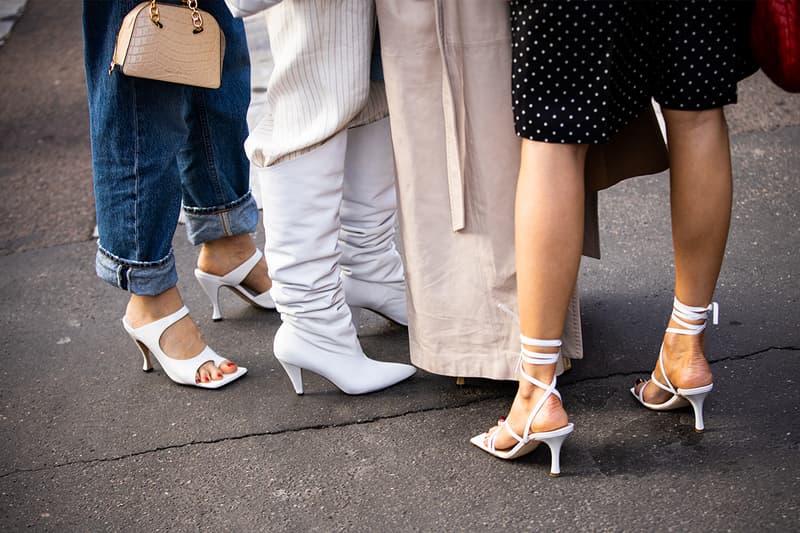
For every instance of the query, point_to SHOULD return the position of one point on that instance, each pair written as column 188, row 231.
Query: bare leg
column 701, row 196
column 549, row 236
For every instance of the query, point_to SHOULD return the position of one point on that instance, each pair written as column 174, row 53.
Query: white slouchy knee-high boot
column 301, row 199
column 372, row 271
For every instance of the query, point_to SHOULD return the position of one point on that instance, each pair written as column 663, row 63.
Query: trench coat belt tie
column 454, row 128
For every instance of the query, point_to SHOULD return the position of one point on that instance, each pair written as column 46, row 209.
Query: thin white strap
column 669, row 387
column 542, row 343
column 238, row 274
column 156, row 328
column 538, row 358
column 507, row 426
column 548, row 391
column 682, row 312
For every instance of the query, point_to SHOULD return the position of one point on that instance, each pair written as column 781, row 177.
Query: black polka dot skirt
column 582, row 70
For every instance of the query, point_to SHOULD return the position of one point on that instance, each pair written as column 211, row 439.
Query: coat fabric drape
column 447, row 67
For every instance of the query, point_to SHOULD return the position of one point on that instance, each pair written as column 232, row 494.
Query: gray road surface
column 90, row 443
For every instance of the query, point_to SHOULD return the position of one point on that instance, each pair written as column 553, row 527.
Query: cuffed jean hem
column 144, row 278
column 205, row 224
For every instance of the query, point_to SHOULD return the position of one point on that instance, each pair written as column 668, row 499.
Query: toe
column 203, row 374
column 228, row 367
column 491, row 431
column 214, row 373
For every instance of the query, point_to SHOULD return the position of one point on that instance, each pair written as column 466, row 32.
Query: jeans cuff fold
column 205, row 224
column 144, row 278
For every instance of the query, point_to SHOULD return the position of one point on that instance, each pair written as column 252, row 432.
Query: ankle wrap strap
column 682, row 312
column 534, row 358
column 537, row 358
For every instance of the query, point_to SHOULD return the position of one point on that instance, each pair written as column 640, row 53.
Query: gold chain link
column 155, row 16
column 197, row 18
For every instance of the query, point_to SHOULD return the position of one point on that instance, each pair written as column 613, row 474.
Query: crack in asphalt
column 157, row 449
column 242, row 437
column 738, row 357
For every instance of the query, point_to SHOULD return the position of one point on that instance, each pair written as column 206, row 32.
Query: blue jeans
column 157, row 144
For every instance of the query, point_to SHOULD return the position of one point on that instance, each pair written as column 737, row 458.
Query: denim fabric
column 155, row 144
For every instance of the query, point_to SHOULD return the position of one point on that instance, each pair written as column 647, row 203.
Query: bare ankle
column 220, row 256
column 144, row 309
column 551, row 416
column 685, row 361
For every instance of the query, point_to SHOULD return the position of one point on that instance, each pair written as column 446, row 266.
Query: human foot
column 221, row 256
column 551, row 416
column 537, row 414
column 685, row 364
column 682, row 356
column 182, row 340
column 682, row 376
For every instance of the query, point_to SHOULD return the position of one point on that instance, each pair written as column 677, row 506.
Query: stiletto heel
column 211, row 288
column 696, row 397
column 528, row 441
column 682, row 397
column 147, row 366
column 554, row 442
column 181, row 371
column 295, row 375
column 233, row 280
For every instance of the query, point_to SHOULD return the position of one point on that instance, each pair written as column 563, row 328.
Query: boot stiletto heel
column 233, row 280
column 528, row 441
column 295, row 374
column 181, row 371
column 682, row 397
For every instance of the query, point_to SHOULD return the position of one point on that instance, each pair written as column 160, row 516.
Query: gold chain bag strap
column 178, row 44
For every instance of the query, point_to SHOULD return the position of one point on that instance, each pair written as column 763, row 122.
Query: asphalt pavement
column 88, row 442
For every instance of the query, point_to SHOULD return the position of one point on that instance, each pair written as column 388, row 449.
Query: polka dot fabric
column 582, row 70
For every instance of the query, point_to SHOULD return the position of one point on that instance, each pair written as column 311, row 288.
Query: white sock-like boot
column 372, row 271
column 301, row 200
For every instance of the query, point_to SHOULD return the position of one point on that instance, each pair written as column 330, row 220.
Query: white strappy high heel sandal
column 682, row 397
column 233, row 280
column 181, row 371
column 528, row 441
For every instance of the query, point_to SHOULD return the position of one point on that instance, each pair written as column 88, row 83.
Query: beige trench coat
column 447, row 68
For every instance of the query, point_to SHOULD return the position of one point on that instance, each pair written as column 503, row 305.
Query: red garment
column 775, row 38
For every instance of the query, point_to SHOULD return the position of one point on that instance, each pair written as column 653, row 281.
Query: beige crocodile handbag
column 178, row 44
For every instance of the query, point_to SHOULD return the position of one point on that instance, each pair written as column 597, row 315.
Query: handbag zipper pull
column 111, row 68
